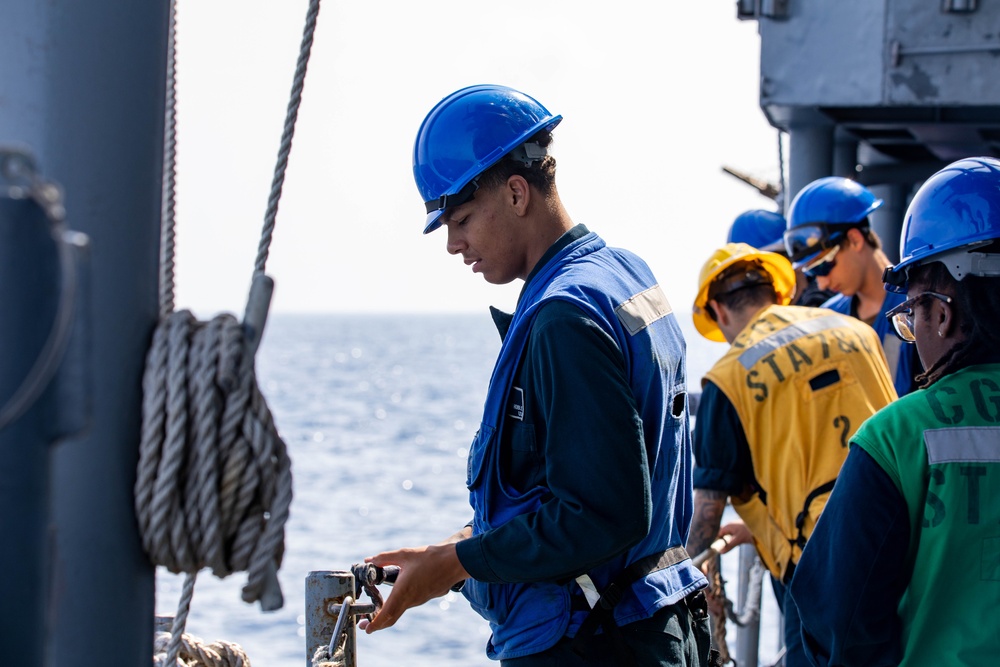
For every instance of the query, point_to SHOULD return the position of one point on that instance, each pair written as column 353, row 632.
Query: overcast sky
column 655, row 96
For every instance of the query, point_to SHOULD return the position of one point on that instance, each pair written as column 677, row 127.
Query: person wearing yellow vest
column 904, row 566
column 776, row 410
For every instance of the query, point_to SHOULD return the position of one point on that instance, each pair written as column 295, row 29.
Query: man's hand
column 425, row 573
column 738, row 533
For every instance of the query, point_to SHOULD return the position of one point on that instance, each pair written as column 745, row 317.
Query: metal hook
column 345, row 610
column 339, row 628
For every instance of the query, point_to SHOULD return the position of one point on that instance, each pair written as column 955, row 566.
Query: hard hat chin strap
column 528, row 153
column 445, row 201
column 751, row 275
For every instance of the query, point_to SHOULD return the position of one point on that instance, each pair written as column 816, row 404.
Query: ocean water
column 377, row 412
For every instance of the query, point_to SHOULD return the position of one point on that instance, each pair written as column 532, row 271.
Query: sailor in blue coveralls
column 580, row 473
column 830, row 240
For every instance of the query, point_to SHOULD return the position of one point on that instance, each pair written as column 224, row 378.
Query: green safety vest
column 941, row 448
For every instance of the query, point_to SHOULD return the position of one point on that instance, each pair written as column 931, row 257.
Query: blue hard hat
column 821, row 214
column 954, row 212
column 464, row 135
column 760, row 229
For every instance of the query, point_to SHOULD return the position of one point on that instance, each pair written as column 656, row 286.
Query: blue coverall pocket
column 477, row 455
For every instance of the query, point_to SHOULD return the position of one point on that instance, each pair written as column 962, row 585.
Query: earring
column 940, row 334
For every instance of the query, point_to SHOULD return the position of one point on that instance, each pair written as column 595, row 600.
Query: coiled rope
column 717, row 591
column 214, row 483
column 709, row 562
column 194, row 652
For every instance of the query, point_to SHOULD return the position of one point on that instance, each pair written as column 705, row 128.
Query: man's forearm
column 708, row 508
column 463, row 534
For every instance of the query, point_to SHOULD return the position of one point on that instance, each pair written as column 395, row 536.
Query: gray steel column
column 82, row 85
column 29, row 292
column 810, row 156
column 845, row 159
column 324, row 589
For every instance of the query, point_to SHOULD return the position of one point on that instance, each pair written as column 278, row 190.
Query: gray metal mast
column 883, row 91
column 82, row 90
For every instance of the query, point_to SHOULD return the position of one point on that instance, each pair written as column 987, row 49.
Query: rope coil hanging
column 213, row 485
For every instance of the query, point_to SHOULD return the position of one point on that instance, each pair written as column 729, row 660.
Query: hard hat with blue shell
column 821, row 215
column 951, row 219
column 468, row 132
column 759, row 228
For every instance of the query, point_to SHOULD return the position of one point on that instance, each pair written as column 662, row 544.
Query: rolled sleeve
column 721, row 452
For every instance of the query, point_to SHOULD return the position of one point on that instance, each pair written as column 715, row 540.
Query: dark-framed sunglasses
column 823, row 265
column 901, row 316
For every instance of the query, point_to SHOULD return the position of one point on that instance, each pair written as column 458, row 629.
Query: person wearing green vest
column 776, row 410
column 903, row 567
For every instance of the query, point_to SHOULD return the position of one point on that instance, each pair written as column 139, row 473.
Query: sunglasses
column 902, row 315
column 823, row 265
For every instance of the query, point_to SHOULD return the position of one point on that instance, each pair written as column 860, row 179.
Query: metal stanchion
column 325, row 593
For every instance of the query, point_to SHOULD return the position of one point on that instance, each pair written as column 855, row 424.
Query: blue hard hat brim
column 433, row 221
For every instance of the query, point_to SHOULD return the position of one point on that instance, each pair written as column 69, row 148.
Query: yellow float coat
column 802, row 380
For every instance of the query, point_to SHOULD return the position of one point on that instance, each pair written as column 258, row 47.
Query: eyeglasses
column 823, row 265
column 902, row 315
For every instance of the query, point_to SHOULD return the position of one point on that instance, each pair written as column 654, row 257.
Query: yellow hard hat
column 779, row 268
